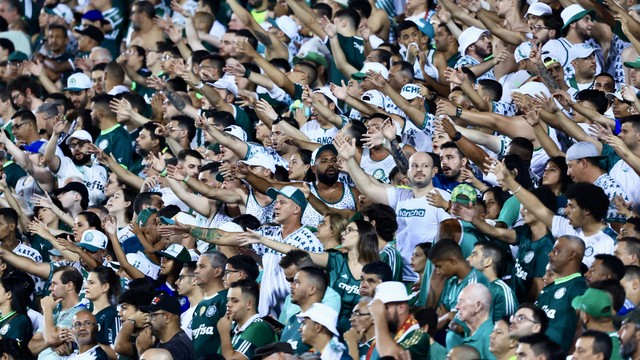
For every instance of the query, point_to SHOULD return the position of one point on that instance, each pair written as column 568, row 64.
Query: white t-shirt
column 185, row 320
column 418, row 222
column 600, row 243
column 316, row 133
column 628, row 179
column 94, row 177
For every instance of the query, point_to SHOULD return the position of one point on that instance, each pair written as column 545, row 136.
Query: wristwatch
column 456, row 137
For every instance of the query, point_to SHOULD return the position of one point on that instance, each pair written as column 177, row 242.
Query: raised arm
column 508, row 36
column 275, row 47
column 110, row 228
column 50, row 157
column 472, row 151
column 279, row 78
column 306, row 16
column 252, row 237
column 41, row 270
column 231, row 142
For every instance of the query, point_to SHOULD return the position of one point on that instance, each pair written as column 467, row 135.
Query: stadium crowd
column 324, row 179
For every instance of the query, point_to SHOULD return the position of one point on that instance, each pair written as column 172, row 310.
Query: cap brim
column 577, row 17
column 90, row 247
column 358, row 76
column 74, row 89
column 273, row 193
column 632, row 64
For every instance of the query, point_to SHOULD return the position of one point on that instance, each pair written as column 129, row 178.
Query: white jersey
column 33, row 254
column 540, row 157
column 94, row 177
column 613, row 190
column 624, row 174
column 253, row 207
column 599, row 243
column 311, row 217
column 317, row 134
column 379, row 169
column 186, row 318
column 274, row 287
column 418, row 222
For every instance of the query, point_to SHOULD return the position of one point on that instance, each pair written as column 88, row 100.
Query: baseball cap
column 142, row 263
column 93, row 240
column 264, row 352
column 76, row 186
column 391, row 291
column 582, row 150
column 55, row 252
column 78, row 82
column 538, row 9
column 533, row 88
column 580, row 51
column 236, row 131
column 425, row 27
column 326, row 92
column 181, row 217
column 145, row 214
column 573, row 13
column 290, row 192
column 163, row 302
column 614, row 95
column 633, row 64
column 313, row 57
column 35, row 147
column 523, row 51
column 594, row 302
column 17, row 56
column 373, row 97
column 371, row 66
column 469, row 37
column 323, row 315
column 261, row 159
column 80, row 135
column 635, row 8
column 410, row 92
column 232, row 227
column 93, row 15
column 320, row 150
column 176, row 252
column 62, row 11
column 464, row 194
column 92, row 32
column 285, row 24
column 226, row 84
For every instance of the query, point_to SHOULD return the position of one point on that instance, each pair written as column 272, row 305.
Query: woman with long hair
column 360, row 240
column 555, row 177
column 102, row 288
column 330, row 230
column 14, row 296
column 300, row 166
column 120, row 205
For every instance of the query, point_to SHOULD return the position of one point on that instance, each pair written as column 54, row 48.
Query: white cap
column 93, row 240
column 614, row 95
column 236, row 131
column 410, row 92
column 64, row 12
column 533, row 88
column 373, row 97
column 187, row 219
column 140, row 262
column 391, row 291
column 232, row 227
column 226, row 84
column 573, row 13
column 469, row 37
column 118, row 89
column 323, row 315
column 78, row 82
column 375, row 67
column 261, row 159
column 580, row 51
column 523, row 51
column 80, row 135
column 538, row 9
column 288, row 26
column 325, row 91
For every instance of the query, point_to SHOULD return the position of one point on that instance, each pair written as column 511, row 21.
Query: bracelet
column 247, row 73
column 200, row 86
column 186, row 179
column 458, row 135
column 518, row 189
column 458, row 112
column 484, row 189
column 163, row 173
column 384, row 142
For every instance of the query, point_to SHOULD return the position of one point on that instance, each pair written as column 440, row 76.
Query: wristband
column 247, row 73
column 458, row 112
column 163, row 173
column 200, row 86
column 457, row 136
column 186, row 179
column 384, row 142
column 518, row 189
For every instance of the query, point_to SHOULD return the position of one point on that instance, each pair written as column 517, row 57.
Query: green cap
column 313, row 57
column 464, row 194
column 290, row 192
column 633, row 64
column 18, row 56
column 594, row 302
column 145, row 214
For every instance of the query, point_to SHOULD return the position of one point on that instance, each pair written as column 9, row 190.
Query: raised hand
column 58, row 125
column 156, row 83
column 502, row 56
column 364, row 29
column 234, row 68
column 264, row 107
column 376, row 79
column 176, row 7
column 176, row 172
column 346, row 149
column 157, row 162
column 110, row 225
column 35, row 68
column 42, row 200
column 533, row 117
column 600, row 132
column 628, row 94
column 436, row 200
column 445, row 108
column 339, row 91
column 372, row 138
column 328, row 26
column 245, row 48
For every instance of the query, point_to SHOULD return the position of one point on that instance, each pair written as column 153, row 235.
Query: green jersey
column 252, row 335
column 363, row 349
column 343, row 282
column 510, row 211
column 437, row 352
column 479, row 340
column 116, row 141
column 555, row 299
column 532, row 259
column 291, row 334
column 108, row 325
column 17, row 327
column 418, row 343
column 204, row 330
column 615, row 341
column 503, row 300
column 391, row 256
column 353, row 48
column 13, row 173
column 242, row 120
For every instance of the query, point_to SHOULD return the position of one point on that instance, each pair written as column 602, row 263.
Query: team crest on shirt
column 528, row 257
column 588, row 251
column 182, row 301
column 211, row 310
column 103, row 144
column 560, row 293
column 4, row 329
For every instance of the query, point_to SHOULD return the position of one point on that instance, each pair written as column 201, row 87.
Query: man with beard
column 147, row 142
column 78, row 86
column 417, row 220
column 84, row 330
column 630, row 336
column 396, row 329
column 114, row 139
column 25, row 93
column 80, row 165
column 452, row 161
column 145, row 32
column 474, row 47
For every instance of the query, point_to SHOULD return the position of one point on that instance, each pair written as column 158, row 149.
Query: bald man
column 555, row 299
column 417, row 219
column 156, row 354
column 474, row 307
column 463, row 352
column 84, row 330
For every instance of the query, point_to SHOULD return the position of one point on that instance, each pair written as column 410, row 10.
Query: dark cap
column 279, row 347
column 18, row 56
column 93, row 15
column 76, row 186
column 163, row 302
column 92, row 32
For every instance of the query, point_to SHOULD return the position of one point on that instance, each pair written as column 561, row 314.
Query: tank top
column 311, row 217
column 262, row 213
column 379, row 169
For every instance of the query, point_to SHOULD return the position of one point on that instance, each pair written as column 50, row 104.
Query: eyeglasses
column 153, row 315
column 536, row 28
column 289, row 280
column 86, row 324
column 16, row 97
column 181, row 277
column 76, row 144
column 348, row 230
column 166, row 57
column 358, row 313
column 520, row 318
column 227, row 272
column 17, row 126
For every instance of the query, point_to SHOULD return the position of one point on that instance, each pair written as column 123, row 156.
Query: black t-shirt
column 180, row 347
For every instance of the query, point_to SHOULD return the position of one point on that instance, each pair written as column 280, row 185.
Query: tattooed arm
column 275, row 47
column 213, row 236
